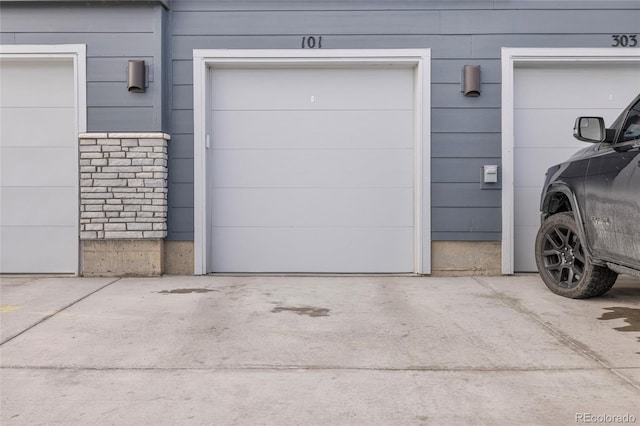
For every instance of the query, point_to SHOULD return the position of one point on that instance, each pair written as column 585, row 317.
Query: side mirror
column 589, row 129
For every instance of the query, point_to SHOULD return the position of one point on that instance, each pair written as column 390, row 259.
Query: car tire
column 562, row 262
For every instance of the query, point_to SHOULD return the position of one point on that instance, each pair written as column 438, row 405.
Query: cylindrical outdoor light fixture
column 136, row 74
column 471, row 80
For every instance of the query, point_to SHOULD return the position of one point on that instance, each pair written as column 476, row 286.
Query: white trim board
column 512, row 58
column 206, row 60
column 78, row 54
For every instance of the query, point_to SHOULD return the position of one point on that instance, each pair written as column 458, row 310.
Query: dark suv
column 590, row 206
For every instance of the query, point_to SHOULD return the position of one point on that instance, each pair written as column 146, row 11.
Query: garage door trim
column 511, row 59
column 77, row 53
column 205, row 60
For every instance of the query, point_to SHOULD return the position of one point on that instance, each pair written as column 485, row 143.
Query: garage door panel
column 38, row 166
column 37, row 83
column 312, row 89
column 371, row 250
column 525, row 197
column 312, row 168
column 313, row 207
column 37, row 206
column 312, row 129
column 38, row 249
column 547, row 100
column 526, row 237
column 553, row 128
column 534, row 163
column 585, row 86
column 41, row 127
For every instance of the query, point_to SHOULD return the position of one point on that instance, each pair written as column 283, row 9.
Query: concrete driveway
column 342, row 350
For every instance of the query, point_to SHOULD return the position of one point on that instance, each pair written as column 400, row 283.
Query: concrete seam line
column 8, row 339
column 307, row 368
column 568, row 341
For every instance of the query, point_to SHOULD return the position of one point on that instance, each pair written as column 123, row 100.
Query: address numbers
column 624, row 40
column 312, row 42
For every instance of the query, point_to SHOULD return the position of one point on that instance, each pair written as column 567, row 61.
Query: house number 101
column 312, row 42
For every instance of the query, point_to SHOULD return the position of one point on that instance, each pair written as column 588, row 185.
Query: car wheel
column 562, row 263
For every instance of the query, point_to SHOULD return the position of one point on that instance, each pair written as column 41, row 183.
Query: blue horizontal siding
column 529, row 21
column 463, row 195
column 489, row 46
column 98, row 45
column 267, row 22
column 115, row 94
column 465, row 120
column 180, row 221
column 56, row 18
column 450, row 96
column 460, row 170
column 110, row 69
column 180, row 170
column 122, row 119
column 450, row 47
column 326, row 5
column 465, row 131
column 114, row 33
column 235, row 5
column 182, row 121
column 181, row 195
column 466, row 220
column 448, row 70
column 464, row 145
column 182, row 97
column 181, row 146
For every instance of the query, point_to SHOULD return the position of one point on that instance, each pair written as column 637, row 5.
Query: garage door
column 38, row 217
column 311, row 170
column 547, row 101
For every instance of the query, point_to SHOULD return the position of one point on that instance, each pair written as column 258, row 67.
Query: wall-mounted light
column 136, row 74
column 471, row 80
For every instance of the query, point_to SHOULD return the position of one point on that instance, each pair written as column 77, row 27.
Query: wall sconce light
column 471, row 80
column 136, row 74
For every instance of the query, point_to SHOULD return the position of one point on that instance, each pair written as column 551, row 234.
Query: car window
column 631, row 129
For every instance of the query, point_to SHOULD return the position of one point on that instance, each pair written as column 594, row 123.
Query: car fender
column 575, row 208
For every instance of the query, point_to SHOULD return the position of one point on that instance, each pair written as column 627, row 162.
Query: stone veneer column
column 123, row 203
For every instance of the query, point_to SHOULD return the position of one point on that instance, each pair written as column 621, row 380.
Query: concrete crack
column 568, row 341
column 257, row 367
column 10, row 338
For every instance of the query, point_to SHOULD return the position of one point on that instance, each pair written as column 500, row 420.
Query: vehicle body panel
column 600, row 184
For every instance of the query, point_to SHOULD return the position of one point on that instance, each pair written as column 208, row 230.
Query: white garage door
column 311, row 170
column 38, row 216
column 547, row 100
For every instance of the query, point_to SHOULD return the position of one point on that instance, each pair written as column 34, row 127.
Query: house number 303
column 624, row 40
column 312, row 42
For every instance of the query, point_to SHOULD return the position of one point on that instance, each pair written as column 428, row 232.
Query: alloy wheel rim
column 563, row 256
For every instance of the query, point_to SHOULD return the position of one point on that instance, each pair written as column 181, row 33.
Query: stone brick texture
column 123, row 186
